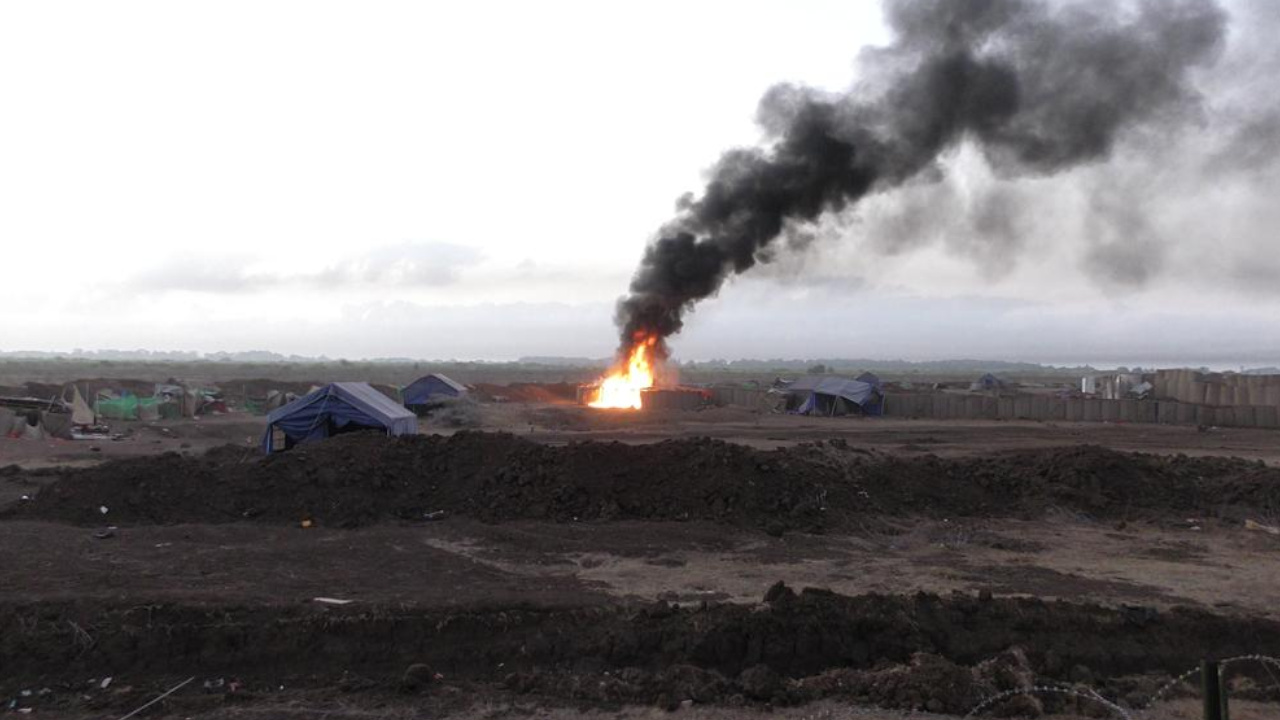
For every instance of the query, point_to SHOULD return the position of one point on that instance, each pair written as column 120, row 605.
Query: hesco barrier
column 1218, row 389
column 1038, row 407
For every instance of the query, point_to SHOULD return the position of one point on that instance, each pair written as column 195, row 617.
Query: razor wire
column 1090, row 694
column 1079, row 694
column 1266, row 661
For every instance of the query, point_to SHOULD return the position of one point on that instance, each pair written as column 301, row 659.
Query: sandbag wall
column 942, row 406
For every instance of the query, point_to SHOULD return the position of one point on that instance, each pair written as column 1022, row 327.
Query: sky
column 480, row 180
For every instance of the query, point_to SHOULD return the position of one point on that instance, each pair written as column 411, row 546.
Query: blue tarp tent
column 818, row 395
column 333, row 409
column 431, row 388
column 987, row 382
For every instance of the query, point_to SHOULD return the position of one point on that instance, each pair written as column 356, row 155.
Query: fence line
column 1044, row 407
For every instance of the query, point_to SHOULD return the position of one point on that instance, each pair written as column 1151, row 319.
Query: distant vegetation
column 225, row 368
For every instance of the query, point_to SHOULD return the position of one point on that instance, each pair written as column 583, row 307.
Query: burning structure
column 622, row 387
column 1038, row 87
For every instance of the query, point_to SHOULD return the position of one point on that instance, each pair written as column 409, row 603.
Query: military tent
column 430, row 389
column 334, row 409
column 825, row 395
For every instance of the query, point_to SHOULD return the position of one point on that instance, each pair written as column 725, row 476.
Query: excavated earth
column 362, row 478
column 941, row 654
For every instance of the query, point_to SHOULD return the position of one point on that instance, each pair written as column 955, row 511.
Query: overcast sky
column 479, row 180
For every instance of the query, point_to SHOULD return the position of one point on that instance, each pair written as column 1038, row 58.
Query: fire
column 621, row 388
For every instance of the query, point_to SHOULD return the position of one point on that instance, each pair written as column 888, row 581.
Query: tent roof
column 360, row 395
column 855, row 391
column 442, row 378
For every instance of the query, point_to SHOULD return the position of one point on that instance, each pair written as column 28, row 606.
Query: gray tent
column 828, row 395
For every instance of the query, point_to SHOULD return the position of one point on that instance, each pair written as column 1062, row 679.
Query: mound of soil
column 925, row 651
column 363, row 478
column 1081, row 479
column 526, row 392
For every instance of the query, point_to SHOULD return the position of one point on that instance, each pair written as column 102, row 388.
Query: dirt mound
column 924, row 651
column 361, row 478
column 1082, row 479
column 364, row 478
column 526, row 392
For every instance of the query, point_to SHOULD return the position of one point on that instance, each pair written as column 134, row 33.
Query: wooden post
column 1211, row 684
column 1222, row 692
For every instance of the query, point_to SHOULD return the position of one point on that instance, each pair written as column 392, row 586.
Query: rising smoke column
column 1040, row 87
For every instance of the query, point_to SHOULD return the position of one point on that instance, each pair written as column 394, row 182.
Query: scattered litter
column 163, row 545
column 102, row 509
column 332, row 601
column 106, row 681
column 25, row 693
column 305, row 523
column 433, row 515
column 107, row 532
column 25, row 498
column 1268, row 529
column 25, row 711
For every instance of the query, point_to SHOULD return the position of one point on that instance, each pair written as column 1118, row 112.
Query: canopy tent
column 821, row 395
column 333, row 409
column 431, row 388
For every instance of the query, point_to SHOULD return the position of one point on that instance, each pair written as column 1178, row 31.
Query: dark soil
column 526, row 392
column 927, row 652
column 362, row 478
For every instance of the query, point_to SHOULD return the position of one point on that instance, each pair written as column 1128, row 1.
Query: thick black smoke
column 1040, row 87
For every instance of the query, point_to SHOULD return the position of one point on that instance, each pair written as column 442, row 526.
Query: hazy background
column 479, row 180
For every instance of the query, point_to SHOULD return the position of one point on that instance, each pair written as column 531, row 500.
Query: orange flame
column 621, row 388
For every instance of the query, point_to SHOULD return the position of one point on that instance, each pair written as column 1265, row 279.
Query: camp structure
column 826, row 395
column 334, row 409
column 431, row 389
column 987, row 383
column 27, row 418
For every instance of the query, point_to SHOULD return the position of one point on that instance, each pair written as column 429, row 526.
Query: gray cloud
column 407, row 264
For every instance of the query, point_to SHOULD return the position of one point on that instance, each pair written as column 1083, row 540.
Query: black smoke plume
column 1039, row 87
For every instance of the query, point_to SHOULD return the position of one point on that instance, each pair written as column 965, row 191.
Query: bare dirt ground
column 561, row 423
column 532, row 596
column 461, row 563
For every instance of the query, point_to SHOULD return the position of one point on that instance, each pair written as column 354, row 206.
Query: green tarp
column 124, row 408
